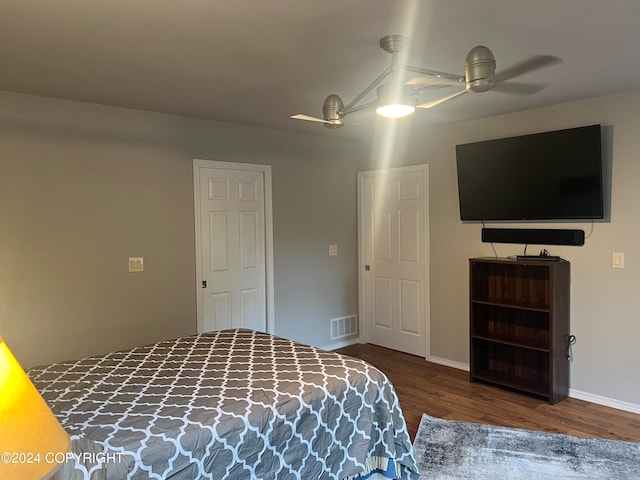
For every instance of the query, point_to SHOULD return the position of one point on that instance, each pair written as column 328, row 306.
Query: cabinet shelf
column 502, row 323
column 527, row 386
column 511, row 305
column 519, row 323
column 513, row 341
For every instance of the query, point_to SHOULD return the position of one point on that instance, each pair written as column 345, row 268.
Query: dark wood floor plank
column 445, row 392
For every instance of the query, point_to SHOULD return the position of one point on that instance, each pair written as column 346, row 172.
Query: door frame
column 268, row 234
column 364, row 321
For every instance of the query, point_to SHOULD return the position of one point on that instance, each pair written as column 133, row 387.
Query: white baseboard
column 449, row 363
column 607, row 402
column 587, row 397
column 341, row 344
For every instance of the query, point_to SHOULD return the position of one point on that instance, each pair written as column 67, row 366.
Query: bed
column 232, row 404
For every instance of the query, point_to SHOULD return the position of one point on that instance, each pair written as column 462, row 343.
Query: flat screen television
column 553, row 175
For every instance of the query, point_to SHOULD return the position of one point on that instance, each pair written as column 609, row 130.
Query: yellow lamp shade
column 31, row 438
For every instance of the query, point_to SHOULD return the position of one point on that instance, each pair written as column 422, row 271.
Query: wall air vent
column 344, row 327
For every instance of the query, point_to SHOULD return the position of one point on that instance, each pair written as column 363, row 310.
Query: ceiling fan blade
column 520, row 88
column 430, row 88
column 526, row 66
column 438, row 101
column 309, row 118
column 431, row 80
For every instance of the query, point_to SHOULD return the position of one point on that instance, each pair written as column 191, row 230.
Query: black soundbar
column 543, row 258
column 533, row 236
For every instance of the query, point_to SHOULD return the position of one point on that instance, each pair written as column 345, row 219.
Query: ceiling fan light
column 395, row 110
column 395, row 100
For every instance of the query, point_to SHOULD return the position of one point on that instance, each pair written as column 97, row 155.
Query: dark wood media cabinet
column 519, row 325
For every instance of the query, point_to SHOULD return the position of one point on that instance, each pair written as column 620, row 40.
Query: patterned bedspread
column 233, row 404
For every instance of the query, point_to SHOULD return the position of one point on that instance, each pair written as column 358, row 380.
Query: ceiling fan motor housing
column 333, row 109
column 395, row 92
column 393, row 43
column 479, row 68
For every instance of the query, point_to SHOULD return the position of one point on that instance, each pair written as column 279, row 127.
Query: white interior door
column 232, row 246
column 394, row 262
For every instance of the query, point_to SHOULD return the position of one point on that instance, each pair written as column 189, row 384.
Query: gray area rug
column 450, row 450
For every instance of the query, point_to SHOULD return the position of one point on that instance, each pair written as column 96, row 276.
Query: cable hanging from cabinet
column 571, row 341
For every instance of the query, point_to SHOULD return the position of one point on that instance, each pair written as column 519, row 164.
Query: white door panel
column 231, row 217
column 393, row 211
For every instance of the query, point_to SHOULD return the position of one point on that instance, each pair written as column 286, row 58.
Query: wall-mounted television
column 553, row 175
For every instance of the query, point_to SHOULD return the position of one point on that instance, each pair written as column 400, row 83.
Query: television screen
column 544, row 176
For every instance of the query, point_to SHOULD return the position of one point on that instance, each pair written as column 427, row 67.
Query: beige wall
column 83, row 187
column 605, row 302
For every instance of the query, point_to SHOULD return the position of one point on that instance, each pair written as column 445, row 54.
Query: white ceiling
column 256, row 62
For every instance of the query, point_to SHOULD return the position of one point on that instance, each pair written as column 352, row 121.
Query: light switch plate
column 333, row 250
column 136, row 264
column 617, row 260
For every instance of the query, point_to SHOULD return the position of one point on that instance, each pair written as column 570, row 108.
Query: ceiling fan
column 397, row 97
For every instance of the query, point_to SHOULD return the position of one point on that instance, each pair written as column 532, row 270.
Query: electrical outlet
column 333, row 250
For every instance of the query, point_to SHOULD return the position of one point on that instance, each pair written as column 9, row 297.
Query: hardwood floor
column 445, row 392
